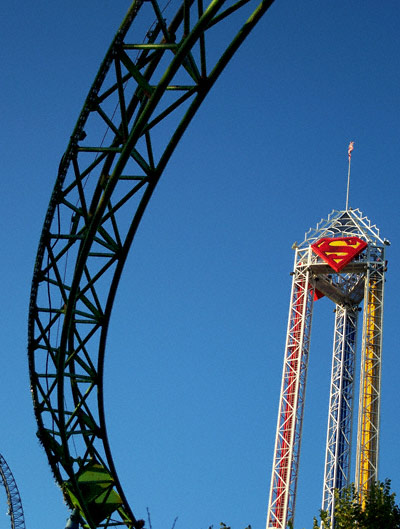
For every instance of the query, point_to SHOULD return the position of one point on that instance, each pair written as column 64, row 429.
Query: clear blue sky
column 197, row 338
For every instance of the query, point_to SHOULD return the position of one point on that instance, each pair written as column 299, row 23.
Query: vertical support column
column 290, row 417
column 338, row 440
column 370, row 378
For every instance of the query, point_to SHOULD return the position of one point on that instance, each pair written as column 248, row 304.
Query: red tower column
column 291, row 407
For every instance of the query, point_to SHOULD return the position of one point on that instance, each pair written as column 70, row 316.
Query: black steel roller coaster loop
column 144, row 85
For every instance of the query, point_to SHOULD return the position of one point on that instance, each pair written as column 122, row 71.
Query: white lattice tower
column 339, row 432
column 359, row 276
column 290, row 416
column 371, row 368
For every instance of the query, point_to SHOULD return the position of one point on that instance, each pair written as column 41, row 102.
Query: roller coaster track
column 146, row 92
column 13, row 498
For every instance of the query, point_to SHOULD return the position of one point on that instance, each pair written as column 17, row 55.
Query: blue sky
column 197, row 337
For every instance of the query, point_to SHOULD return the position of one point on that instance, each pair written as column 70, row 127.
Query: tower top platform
column 344, row 223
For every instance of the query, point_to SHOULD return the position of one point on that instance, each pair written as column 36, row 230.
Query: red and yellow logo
column 338, row 252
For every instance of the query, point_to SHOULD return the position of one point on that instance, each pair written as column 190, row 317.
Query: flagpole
column 351, row 147
column 348, row 184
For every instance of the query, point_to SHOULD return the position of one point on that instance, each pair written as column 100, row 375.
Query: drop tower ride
column 343, row 258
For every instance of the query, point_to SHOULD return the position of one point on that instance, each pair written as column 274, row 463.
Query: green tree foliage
column 379, row 512
column 381, row 509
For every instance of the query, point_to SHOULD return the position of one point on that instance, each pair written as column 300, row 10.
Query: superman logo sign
column 339, row 251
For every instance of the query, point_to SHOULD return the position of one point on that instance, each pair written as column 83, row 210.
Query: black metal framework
column 15, row 509
column 145, row 94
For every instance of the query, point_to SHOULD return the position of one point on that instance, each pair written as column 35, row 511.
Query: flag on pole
column 351, row 147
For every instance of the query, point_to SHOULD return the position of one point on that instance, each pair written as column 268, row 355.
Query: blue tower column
column 339, row 431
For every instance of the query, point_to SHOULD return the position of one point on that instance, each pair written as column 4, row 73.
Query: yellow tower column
column 370, row 379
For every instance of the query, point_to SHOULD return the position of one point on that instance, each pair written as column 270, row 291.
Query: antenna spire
column 351, row 147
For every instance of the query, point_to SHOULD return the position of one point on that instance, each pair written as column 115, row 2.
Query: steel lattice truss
column 371, row 368
column 15, row 509
column 338, row 443
column 147, row 90
column 290, row 417
column 346, row 223
column 360, row 279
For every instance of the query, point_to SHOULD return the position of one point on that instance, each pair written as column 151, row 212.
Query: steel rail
column 144, row 96
column 15, row 509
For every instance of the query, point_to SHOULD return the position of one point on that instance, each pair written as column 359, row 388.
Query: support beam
column 290, row 418
column 370, row 378
column 338, row 439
